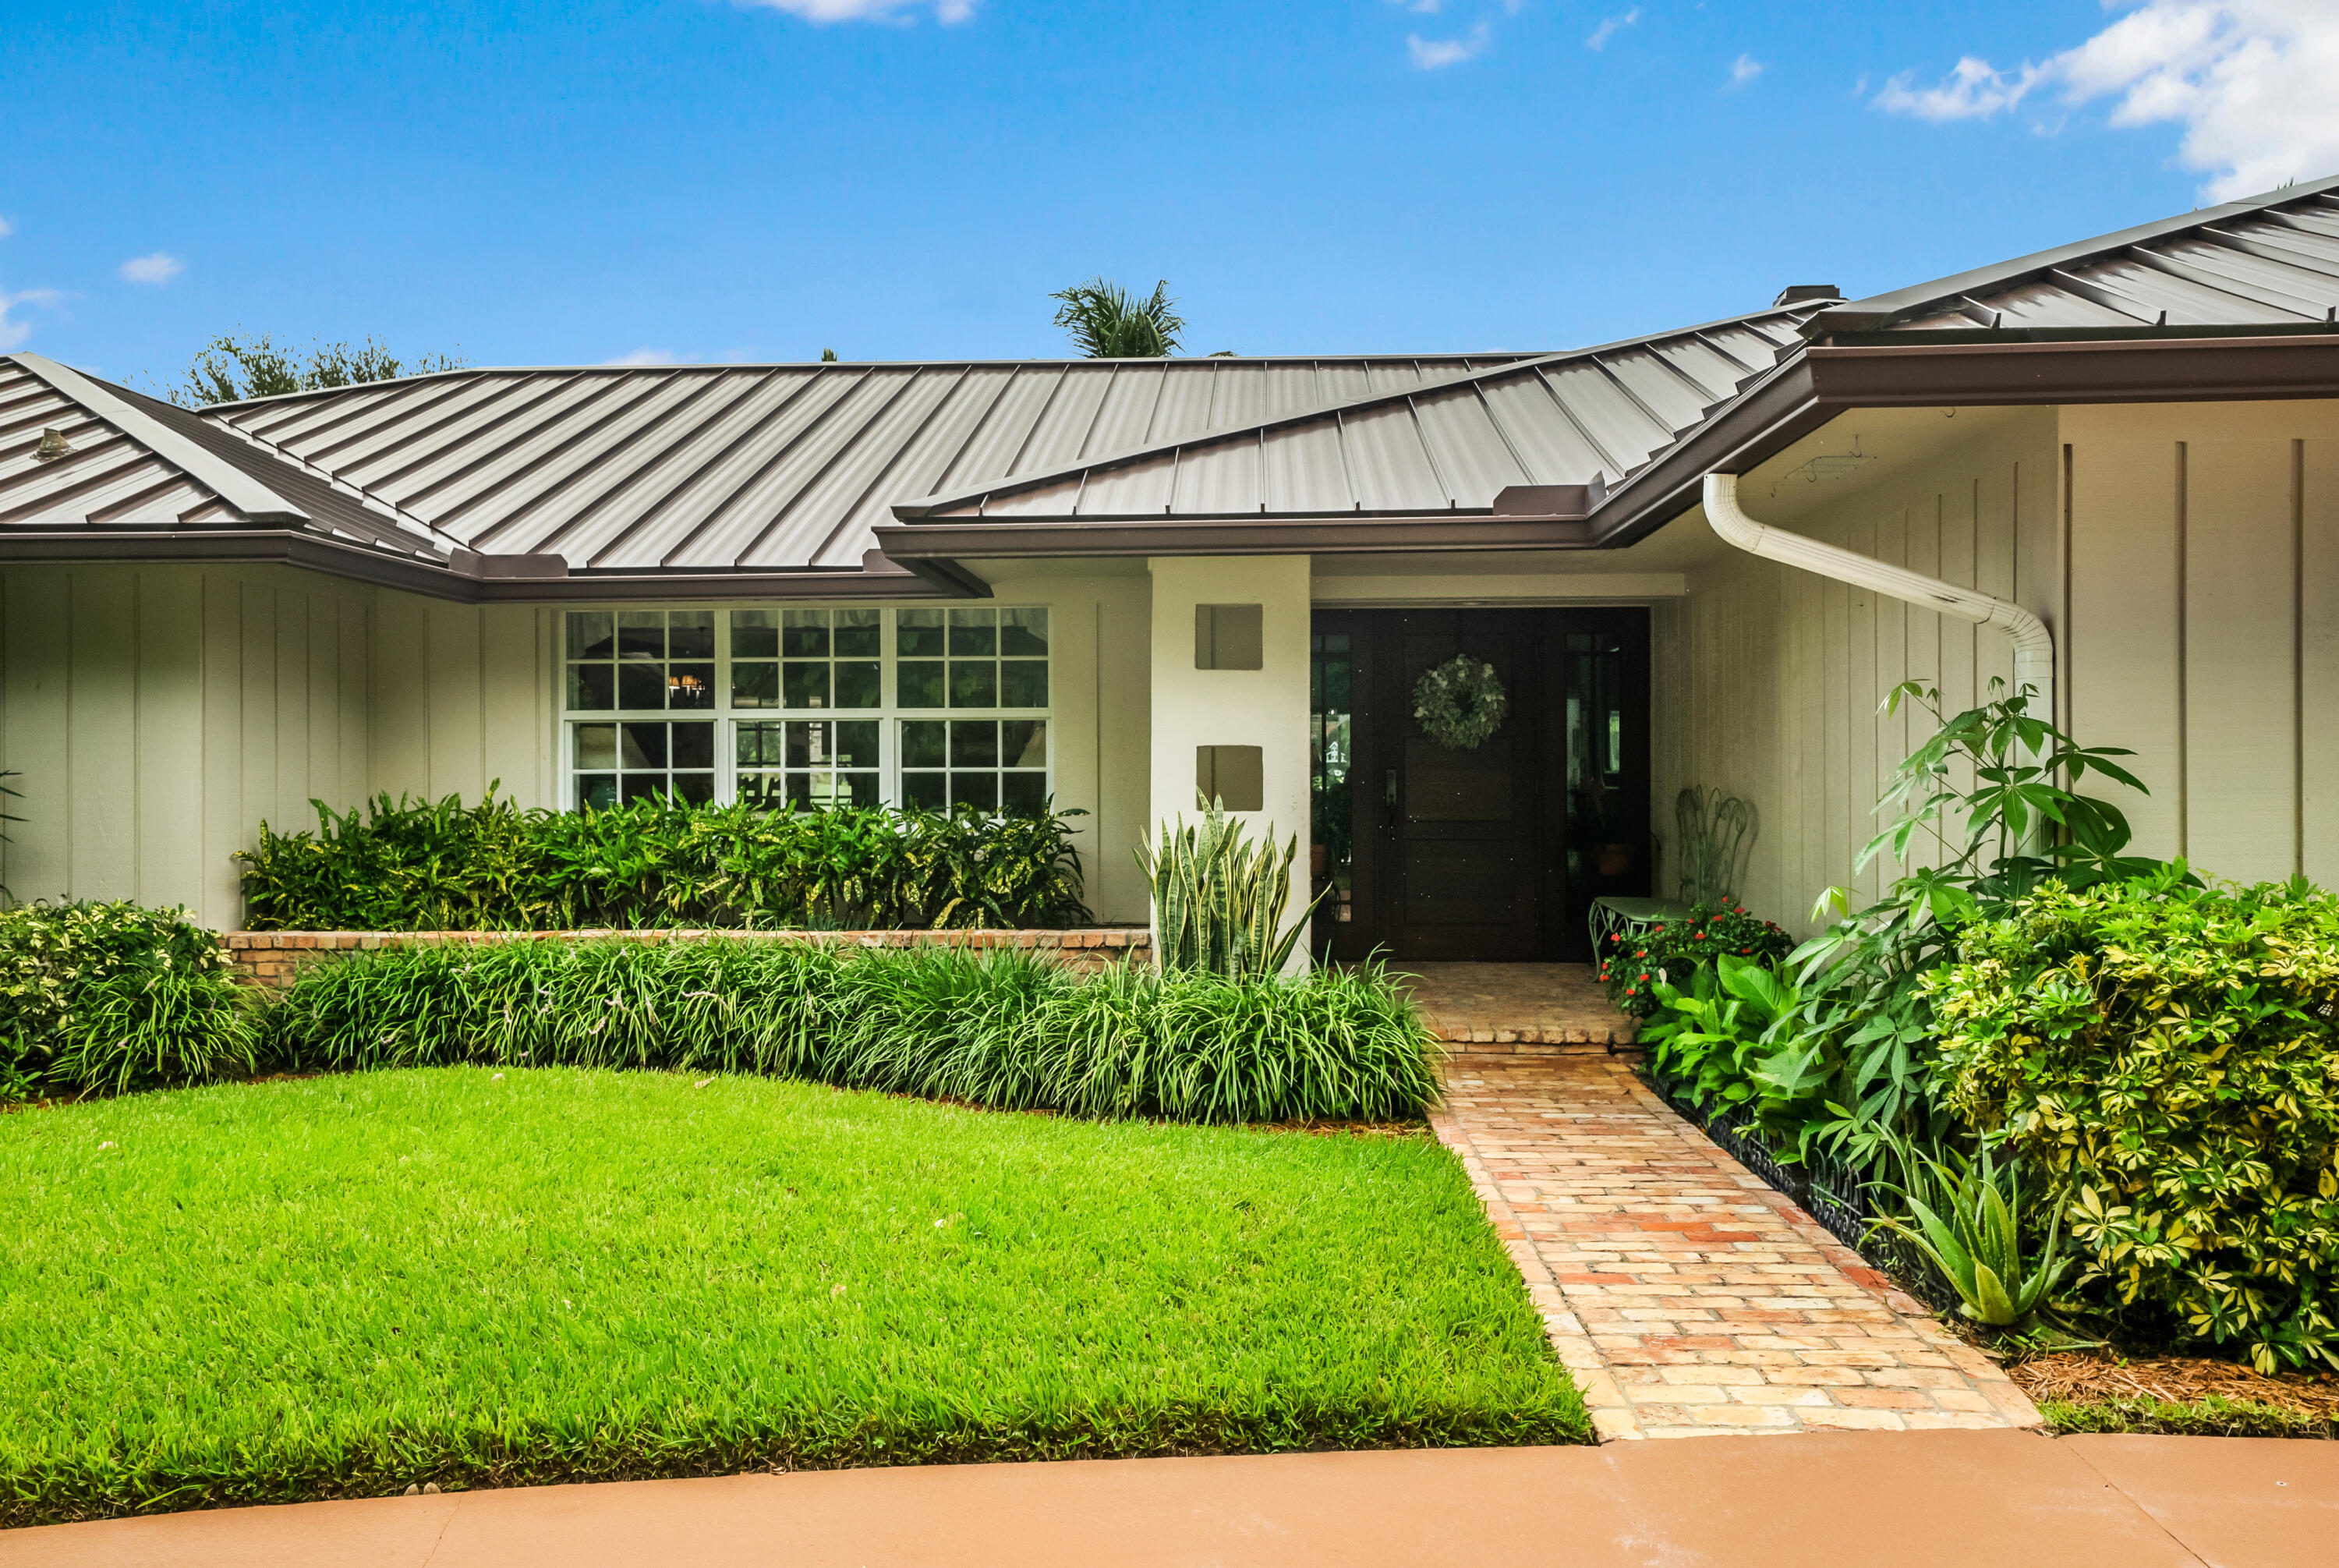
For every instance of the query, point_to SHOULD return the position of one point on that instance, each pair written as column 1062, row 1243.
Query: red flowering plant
column 1672, row 951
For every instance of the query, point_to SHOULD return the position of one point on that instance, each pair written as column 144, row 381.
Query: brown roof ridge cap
column 928, row 506
column 1858, row 314
column 931, row 362
column 437, row 538
column 246, row 492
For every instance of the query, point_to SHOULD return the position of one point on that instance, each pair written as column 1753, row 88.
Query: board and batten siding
column 157, row 715
column 2204, row 625
column 2186, row 558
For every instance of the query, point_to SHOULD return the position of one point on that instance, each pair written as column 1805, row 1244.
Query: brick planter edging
column 270, row 958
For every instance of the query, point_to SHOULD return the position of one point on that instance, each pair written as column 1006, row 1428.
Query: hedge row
column 422, row 865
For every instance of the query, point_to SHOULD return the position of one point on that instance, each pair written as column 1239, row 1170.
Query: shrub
column 1673, row 951
column 420, row 866
column 110, row 996
column 2169, row 1056
column 1005, row 1027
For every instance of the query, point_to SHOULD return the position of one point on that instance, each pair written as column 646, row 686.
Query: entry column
column 1231, row 695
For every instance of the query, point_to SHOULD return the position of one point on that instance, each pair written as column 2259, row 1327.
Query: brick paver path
column 1686, row 1294
column 1495, row 1008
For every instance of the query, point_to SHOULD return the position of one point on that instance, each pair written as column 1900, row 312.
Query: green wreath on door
column 1461, row 702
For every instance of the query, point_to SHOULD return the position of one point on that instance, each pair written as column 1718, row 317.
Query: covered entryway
column 1492, row 852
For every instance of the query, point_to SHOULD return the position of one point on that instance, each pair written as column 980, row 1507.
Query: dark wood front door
column 1453, row 853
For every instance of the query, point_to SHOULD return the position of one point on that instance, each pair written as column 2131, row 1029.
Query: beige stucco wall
column 159, row 714
column 1265, row 707
column 2200, row 629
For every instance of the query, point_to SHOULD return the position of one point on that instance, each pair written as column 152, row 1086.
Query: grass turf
column 2211, row 1416
column 338, row 1286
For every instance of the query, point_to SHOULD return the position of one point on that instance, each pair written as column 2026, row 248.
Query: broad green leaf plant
column 1967, row 852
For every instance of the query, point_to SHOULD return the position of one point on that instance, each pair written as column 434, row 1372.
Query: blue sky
column 702, row 180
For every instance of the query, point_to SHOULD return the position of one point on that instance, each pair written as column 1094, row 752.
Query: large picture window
column 801, row 708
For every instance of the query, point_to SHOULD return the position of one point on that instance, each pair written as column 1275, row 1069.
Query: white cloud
column 1744, row 69
column 1434, row 54
column 14, row 332
column 1609, row 26
column 1972, row 90
column 946, row 12
column 6, row 227
column 644, row 356
column 2250, row 82
column 1424, row 8
column 159, row 268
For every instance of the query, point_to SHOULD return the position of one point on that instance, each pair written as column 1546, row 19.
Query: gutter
column 2034, row 645
column 468, row 578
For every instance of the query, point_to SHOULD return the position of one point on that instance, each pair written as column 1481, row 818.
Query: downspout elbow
column 2034, row 645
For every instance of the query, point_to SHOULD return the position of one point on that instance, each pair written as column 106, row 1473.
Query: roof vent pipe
column 2034, row 645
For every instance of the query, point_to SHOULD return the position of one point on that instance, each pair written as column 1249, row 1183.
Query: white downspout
column 2034, row 645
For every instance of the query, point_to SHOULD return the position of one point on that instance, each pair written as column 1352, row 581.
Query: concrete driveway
column 1955, row 1498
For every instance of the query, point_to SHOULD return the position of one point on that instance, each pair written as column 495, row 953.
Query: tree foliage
column 230, row 369
column 1107, row 322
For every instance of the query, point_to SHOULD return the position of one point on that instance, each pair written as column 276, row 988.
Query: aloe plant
column 1219, row 898
column 1969, row 1225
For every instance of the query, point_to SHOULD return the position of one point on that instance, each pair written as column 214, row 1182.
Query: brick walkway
column 1495, row 1008
column 1686, row 1296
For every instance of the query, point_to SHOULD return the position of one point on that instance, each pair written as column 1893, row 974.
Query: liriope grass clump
column 1006, row 1028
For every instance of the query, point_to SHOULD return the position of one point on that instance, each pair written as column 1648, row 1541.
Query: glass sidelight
column 1608, row 848
column 1332, row 671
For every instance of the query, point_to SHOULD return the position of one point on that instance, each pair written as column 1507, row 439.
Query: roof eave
column 1950, row 369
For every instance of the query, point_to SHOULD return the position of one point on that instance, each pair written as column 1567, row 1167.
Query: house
column 1104, row 582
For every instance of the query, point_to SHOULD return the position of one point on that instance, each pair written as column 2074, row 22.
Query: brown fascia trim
column 1779, row 412
column 259, row 546
column 1985, row 371
column 934, row 545
column 2125, row 369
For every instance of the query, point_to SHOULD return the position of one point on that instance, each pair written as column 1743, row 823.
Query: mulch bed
column 2091, row 1379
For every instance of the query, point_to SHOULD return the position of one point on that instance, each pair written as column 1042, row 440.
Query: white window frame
column 888, row 715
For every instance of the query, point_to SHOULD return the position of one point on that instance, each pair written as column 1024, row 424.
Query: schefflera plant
column 2167, row 1056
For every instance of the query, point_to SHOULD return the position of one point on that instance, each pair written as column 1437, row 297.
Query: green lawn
column 340, row 1286
column 2209, row 1417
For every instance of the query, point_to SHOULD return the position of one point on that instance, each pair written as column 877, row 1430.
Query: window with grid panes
column 644, row 669
column 796, row 709
column 961, row 659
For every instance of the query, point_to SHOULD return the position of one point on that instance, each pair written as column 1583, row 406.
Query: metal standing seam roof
column 133, row 461
column 2269, row 261
column 692, row 473
column 1589, row 416
column 760, row 467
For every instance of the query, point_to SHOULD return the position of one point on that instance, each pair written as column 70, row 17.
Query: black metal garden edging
column 1832, row 1194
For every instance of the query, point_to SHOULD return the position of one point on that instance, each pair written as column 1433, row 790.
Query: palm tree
column 1109, row 322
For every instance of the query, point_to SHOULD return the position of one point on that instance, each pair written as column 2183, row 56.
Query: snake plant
column 1219, row 898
